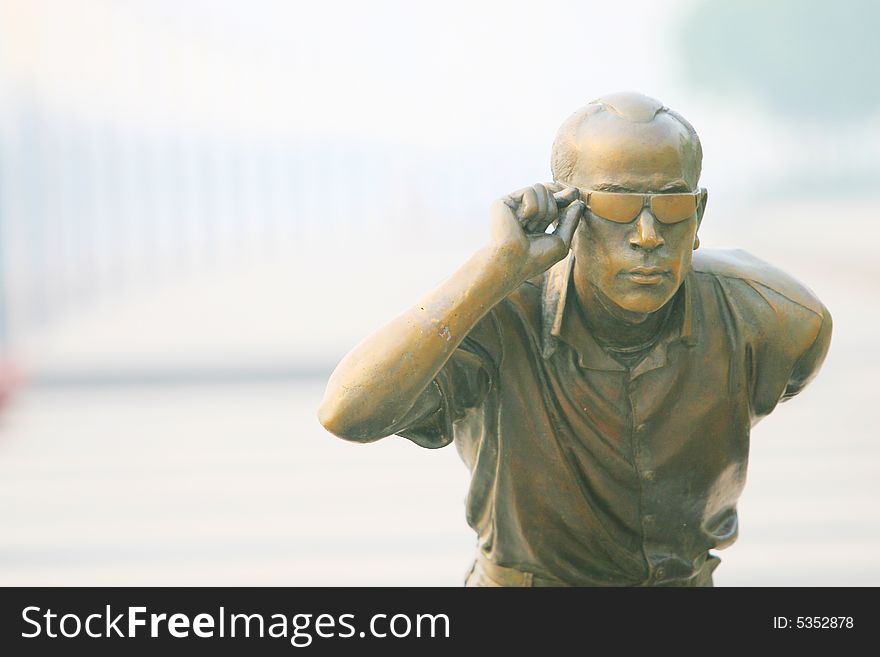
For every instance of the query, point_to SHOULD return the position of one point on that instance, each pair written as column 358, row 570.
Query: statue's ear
column 701, row 208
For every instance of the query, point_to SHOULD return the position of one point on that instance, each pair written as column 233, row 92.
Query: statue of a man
column 600, row 380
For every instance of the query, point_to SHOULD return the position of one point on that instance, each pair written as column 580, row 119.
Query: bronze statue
column 599, row 380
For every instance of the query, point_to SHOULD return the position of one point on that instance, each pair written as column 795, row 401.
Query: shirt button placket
column 646, row 476
column 639, row 431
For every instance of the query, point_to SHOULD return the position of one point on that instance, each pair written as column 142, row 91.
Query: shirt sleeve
column 788, row 348
column 809, row 364
column 461, row 385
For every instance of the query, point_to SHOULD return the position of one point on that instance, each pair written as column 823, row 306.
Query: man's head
column 629, row 143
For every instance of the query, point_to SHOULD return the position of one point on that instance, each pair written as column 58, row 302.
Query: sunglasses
column 622, row 208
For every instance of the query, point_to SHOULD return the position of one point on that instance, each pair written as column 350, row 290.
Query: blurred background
column 205, row 204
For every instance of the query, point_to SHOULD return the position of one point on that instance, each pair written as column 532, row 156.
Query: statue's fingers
column 528, row 207
column 541, row 227
column 518, row 194
column 547, row 215
column 542, row 196
column 509, row 202
column 566, row 196
column 552, row 209
column 569, row 222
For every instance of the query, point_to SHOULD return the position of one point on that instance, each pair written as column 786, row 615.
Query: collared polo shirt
column 589, row 472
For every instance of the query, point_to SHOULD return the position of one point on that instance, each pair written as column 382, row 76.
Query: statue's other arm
column 808, row 365
column 382, row 379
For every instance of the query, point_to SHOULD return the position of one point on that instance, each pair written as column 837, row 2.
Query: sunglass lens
column 621, row 208
column 672, row 208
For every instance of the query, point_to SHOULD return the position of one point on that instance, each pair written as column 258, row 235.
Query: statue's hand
column 519, row 222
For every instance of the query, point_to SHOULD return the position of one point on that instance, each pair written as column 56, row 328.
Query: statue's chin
column 634, row 305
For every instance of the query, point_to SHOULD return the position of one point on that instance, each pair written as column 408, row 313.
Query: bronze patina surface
column 600, row 380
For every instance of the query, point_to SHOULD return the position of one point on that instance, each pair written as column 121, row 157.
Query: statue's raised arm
column 382, row 380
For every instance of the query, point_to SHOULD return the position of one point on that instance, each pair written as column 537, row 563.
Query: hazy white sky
column 422, row 73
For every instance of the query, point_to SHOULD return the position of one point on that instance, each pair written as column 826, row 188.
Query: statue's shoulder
column 748, row 278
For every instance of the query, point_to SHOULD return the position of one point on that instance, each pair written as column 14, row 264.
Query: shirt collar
column 556, row 322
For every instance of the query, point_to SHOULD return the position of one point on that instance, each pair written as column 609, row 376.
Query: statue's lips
column 646, row 275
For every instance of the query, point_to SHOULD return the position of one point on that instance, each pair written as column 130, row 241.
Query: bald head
column 626, row 135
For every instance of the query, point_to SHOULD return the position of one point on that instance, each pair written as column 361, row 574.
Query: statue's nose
column 644, row 235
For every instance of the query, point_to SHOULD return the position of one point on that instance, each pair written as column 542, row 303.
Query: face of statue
column 635, row 267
